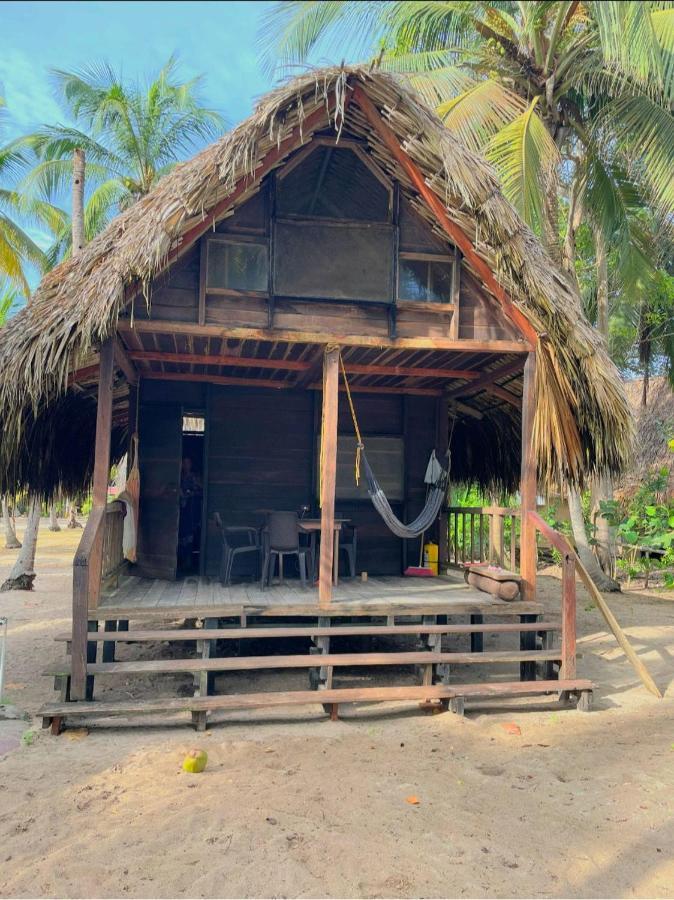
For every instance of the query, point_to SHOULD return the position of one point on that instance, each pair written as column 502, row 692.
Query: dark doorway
column 191, row 494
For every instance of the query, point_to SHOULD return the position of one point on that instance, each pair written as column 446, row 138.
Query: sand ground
column 577, row 805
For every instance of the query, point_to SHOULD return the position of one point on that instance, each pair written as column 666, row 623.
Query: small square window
column 237, row 266
column 425, row 280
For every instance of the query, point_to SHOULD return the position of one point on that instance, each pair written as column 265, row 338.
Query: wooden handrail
column 557, row 540
column 486, row 510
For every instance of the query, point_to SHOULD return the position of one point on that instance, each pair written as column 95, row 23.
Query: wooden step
column 102, row 709
column 311, row 661
column 212, row 634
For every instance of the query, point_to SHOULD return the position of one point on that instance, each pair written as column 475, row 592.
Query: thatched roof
column 582, row 421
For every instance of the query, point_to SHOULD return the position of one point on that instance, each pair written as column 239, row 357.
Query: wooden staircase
column 436, row 669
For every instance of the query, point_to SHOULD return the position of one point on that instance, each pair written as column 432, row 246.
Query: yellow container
column 431, row 557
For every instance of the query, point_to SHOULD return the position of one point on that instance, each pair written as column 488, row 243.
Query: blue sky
column 217, row 39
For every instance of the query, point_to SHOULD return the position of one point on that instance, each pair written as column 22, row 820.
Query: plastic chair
column 282, row 538
column 236, row 541
column 348, row 539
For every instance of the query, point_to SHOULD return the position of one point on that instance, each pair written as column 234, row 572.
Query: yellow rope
column 359, row 441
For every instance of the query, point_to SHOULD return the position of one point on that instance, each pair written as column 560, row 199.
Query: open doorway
column 191, row 493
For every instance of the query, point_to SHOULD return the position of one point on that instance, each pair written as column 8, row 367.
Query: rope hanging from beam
column 437, row 490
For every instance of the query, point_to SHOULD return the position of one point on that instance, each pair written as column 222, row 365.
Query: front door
column 159, row 452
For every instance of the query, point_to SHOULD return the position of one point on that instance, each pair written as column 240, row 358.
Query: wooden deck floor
column 144, row 598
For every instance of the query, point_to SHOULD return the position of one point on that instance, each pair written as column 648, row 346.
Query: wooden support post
column 89, row 557
column 476, row 637
column 109, row 646
column 442, row 428
column 528, row 483
column 496, row 539
column 328, row 472
column 528, row 643
column 568, row 669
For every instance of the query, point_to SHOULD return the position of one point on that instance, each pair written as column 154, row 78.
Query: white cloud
column 27, row 92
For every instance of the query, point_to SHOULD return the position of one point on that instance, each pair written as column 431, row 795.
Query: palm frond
column 478, row 113
column 644, row 132
column 525, row 157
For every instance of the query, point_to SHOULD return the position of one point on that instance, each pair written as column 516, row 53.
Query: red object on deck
column 419, row 572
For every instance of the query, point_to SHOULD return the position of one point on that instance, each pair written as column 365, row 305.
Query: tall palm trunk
column 603, row 581
column 22, row 576
column 72, row 515
column 53, row 518
column 603, row 491
column 78, row 235
column 11, row 540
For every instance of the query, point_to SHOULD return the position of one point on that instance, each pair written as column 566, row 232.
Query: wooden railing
column 561, row 544
column 484, row 534
column 113, row 532
column 98, row 554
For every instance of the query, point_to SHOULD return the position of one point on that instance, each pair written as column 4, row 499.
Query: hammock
column 434, row 500
column 436, row 478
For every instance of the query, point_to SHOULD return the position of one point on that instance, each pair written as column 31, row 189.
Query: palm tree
column 570, row 101
column 17, row 249
column 8, row 298
column 131, row 135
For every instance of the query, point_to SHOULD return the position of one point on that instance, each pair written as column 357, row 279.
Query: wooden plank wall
column 262, row 452
column 260, row 456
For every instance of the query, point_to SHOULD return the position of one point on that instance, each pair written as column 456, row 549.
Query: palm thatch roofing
column 582, row 423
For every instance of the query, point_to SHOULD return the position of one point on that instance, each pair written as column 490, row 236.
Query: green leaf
column 525, row 157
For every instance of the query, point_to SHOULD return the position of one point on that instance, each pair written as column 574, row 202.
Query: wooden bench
column 54, row 715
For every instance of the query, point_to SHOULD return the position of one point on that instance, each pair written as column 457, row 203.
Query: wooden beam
column 502, row 394
column 466, row 410
column 453, row 231
column 122, row 358
column 84, row 374
column 411, row 371
column 386, row 389
column 328, row 464
column 156, row 326
column 487, row 379
column 528, row 483
column 218, row 379
column 239, row 362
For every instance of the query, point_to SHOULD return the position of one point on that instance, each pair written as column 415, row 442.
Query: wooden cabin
column 339, row 261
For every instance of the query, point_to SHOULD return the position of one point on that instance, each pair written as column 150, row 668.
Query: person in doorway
column 189, row 524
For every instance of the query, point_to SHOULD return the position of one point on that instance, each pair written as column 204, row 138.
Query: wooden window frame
column 236, row 240
column 433, row 306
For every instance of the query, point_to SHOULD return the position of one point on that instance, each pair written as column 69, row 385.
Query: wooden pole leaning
column 328, row 471
column 528, row 482
column 89, row 556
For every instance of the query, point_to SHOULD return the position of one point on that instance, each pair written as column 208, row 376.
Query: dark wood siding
column 175, row 294
column 260, row 447
column 159, row 461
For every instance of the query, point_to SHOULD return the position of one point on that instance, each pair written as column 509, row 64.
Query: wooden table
column 313, row 526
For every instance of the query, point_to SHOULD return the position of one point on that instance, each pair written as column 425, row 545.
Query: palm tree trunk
column 11, row 540
column 78, row 201
column 605, row 533
column 22, row 576
column 603, row 581
column 53, row 518
column 72, row 516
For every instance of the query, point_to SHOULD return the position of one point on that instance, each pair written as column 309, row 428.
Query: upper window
column 333, row 182
column 237, row 266
column 425, row 279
